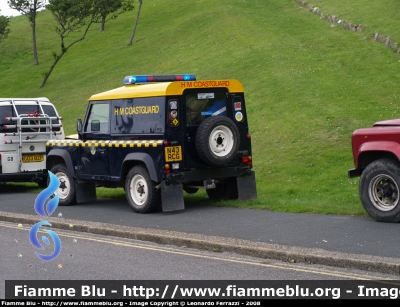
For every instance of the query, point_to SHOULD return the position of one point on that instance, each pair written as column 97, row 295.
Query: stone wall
column 336, row 21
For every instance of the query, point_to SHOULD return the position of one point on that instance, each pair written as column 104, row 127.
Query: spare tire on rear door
column 217, row 140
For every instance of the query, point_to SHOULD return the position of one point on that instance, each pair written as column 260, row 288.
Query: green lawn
column 308, row 83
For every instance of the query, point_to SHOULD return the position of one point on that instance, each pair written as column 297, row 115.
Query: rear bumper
column 24, row 176
column 200, row 175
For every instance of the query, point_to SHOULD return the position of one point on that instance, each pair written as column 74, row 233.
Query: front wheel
column 379, row 190
column 66, row 190
column 142, row 193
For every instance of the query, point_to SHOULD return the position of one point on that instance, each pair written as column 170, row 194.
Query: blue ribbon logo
column 45, row 204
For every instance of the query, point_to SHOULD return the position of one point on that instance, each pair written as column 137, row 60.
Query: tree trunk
column 35, row 55
column 136, row 21
column 47, row 75
column 102, row 23
column 63, row 51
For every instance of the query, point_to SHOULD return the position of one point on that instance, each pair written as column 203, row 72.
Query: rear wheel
column 66, row 190
column 142, row 193
column 225, row 190
column 379, row 190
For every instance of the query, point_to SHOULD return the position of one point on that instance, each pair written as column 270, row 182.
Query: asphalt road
column 358, row 242
column 93, row 257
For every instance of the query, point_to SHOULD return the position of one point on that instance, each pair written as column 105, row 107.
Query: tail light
column 167, row 168
column 247, row 160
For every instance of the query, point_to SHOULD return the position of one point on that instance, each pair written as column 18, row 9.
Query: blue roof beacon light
column 158, row 78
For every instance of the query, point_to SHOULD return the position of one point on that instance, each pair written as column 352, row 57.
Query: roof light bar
column 158, row 78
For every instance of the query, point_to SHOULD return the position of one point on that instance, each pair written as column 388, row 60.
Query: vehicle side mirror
column 79, row 125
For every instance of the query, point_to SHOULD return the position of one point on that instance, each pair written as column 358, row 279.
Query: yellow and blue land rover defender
column 156, row 137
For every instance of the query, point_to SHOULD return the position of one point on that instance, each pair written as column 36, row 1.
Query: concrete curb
column 220, row 244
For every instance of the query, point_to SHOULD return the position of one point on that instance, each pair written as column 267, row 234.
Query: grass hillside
column 309, row 83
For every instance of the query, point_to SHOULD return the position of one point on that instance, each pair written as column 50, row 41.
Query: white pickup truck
column 26, row 124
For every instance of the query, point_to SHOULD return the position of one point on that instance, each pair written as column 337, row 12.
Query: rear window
column 27, row 109
column 8, row 111
column 199, row 106
column 31, row 109
column 51, row 112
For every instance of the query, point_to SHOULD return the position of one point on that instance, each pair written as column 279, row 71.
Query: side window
column 99, row 118
column 199, row 106
column 138, row 115
column 6, row 111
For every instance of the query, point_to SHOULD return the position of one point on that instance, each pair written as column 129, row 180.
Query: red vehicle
column 376, row 153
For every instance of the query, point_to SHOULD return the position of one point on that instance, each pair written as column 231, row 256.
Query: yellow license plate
column 32, row 158
column 173, row 153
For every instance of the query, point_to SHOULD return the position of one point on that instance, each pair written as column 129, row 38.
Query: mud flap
column 85, row 192
column 172, row 197
column 247, row 187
